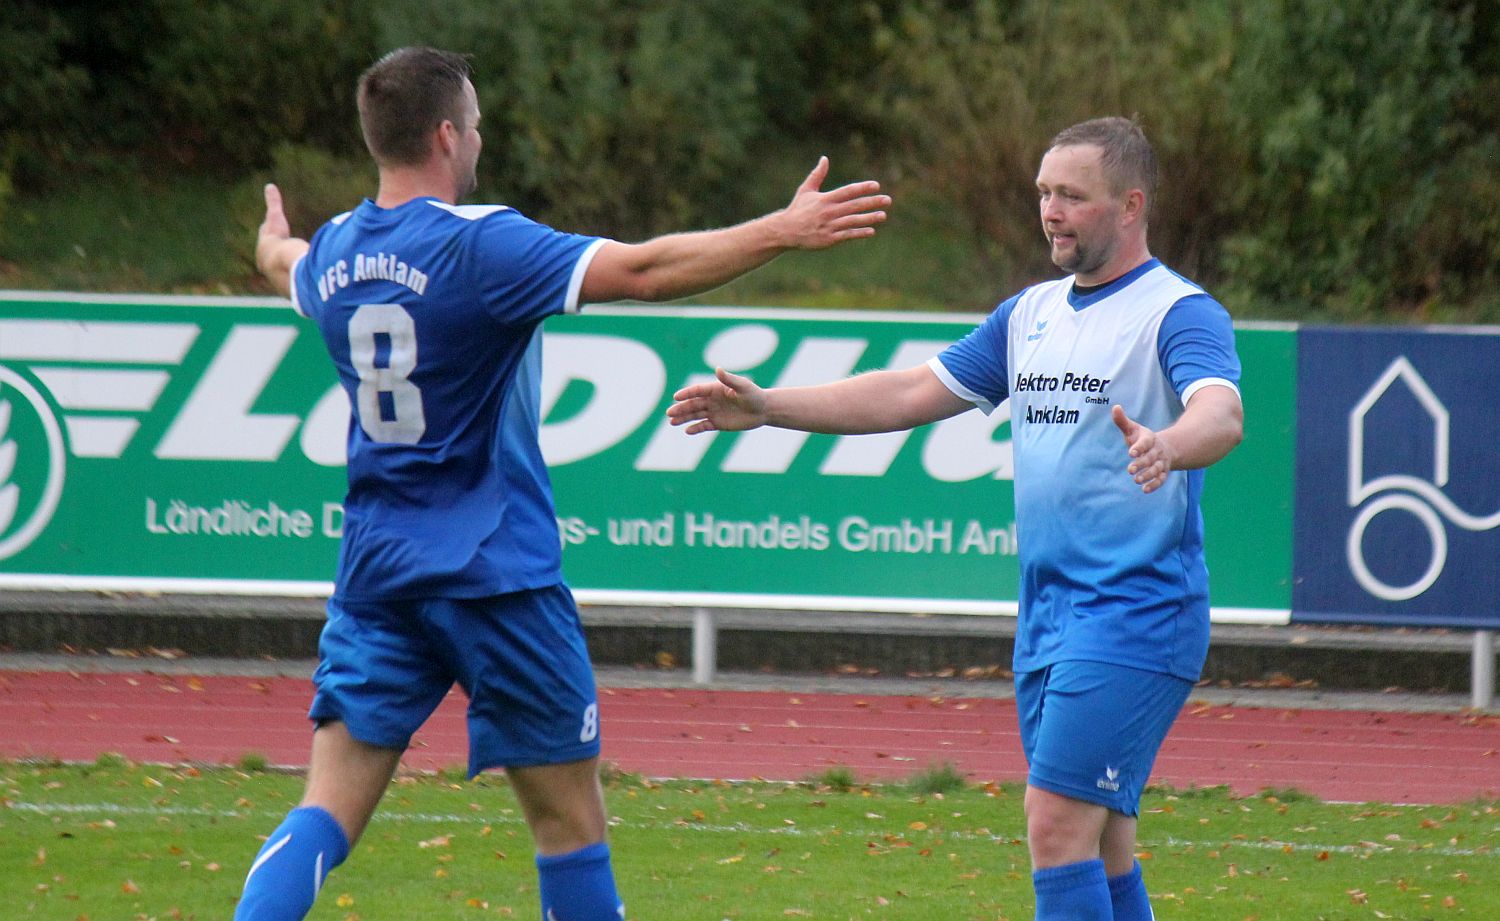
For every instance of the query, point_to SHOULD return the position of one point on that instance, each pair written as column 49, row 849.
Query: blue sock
column 290, row 869
column 1073, row 892
column 579, row 886
column 1128, row 894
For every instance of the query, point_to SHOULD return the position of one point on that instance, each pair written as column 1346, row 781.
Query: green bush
column 973, row 93
column 1346, row 111
column 1461, row 238
column 233, row 79
column 315, row 186
column 621, row 118
column 7, row 185
column 40, row 92
column 164, row 85
column 1321, row 159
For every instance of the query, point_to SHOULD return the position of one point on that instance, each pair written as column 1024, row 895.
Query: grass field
column 116, row 840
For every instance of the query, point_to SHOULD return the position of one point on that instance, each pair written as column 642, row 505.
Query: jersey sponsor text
column 1038, row 382
column 1052, row 415
column 372, row 267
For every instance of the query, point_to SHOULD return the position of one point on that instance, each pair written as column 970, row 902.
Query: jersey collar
column 1080, row 301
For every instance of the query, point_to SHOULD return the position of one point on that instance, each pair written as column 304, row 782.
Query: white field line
column 741, row 828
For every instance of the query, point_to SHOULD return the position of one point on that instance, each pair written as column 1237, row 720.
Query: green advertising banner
column 179, row 444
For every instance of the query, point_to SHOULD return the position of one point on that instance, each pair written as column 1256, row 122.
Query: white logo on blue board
column 1421, row 496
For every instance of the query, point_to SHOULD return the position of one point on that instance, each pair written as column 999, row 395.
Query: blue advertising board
column 1397, row 511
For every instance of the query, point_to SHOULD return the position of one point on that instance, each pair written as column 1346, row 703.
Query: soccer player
column 1123, row 385
column 450, row 564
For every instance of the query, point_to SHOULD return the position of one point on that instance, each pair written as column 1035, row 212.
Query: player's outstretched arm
column 1208, row 429
column 678, row 265
column 276, row 250
column 879, row 401
column 731, row 403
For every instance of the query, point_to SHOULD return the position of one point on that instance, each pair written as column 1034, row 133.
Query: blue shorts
column 1091, row 730
column 384, row 668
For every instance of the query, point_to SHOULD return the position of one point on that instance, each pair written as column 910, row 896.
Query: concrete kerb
column 778, row 644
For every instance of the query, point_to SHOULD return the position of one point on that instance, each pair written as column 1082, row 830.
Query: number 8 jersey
column 432, row 315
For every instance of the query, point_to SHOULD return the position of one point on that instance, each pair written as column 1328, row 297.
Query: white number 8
column 408, row 422
column 590, row 729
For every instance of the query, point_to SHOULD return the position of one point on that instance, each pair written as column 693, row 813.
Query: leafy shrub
column 974, row 92
column 232, row 79
column 40, row 91
column 315, row 186
column 622, row 118
column 1346, row 110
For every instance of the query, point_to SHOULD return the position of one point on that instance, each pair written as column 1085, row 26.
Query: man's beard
column 1083, row 260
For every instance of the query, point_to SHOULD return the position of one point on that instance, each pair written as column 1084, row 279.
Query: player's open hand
column 275, row 226
column 273, row 229
column 729, row 404
column 275, row 248
column 1151, row 455
column 817, row 220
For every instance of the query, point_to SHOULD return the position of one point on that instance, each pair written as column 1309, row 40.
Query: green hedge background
column 1322, row 159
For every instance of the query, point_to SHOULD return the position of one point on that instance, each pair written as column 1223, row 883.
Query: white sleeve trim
column 580, row 269
column 1195, row 386
column 292, row 281
column 959, row 390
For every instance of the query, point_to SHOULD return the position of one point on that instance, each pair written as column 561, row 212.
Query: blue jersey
column 1108, row 573
column 432, row 315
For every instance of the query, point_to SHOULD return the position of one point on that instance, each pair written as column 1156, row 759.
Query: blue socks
column 290, row 869
column 1128, row 895
column 1073, row 892
column 284, row 880
column 579, row 886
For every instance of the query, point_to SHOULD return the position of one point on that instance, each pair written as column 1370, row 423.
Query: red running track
column 1345, row 755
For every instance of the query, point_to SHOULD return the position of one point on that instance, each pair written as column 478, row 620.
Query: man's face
column 469, row 146
column 1080, row 212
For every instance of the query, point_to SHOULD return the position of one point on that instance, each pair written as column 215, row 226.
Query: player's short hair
column 405, row 96
column 1127, row 159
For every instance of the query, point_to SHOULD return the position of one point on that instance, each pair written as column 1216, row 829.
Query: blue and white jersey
column 1108, row 573
column 432, row 315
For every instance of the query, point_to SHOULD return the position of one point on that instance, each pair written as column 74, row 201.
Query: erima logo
column 1110, row 781
column 31, row 481
column 1041, row 326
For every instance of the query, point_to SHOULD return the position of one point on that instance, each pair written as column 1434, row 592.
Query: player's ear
column 1135, row 207
column 446, row 138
